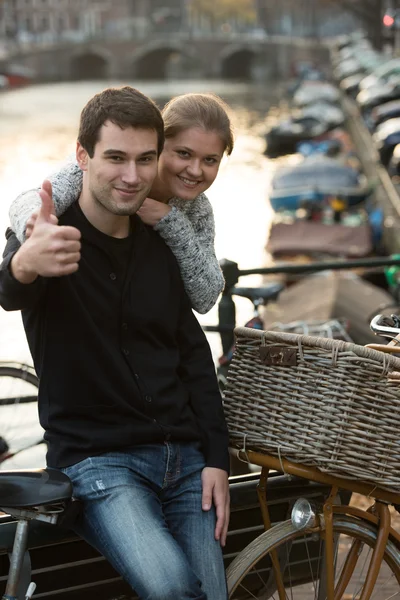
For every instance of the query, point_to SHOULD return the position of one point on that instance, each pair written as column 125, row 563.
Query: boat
column 16, row 75
column 346, row 296
column 314, row 91
column 325, row 112
column 284, row 137
column 386, row 138
column 383, row 112
column 317, row 179
column 302, row 238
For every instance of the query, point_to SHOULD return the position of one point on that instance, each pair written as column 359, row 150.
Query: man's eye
column 116, row 158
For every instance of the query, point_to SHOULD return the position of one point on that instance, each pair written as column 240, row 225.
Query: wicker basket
column 333, row 328
column 316, row 401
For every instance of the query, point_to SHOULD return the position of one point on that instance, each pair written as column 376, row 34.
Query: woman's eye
column 211, row 161
column 183, row 153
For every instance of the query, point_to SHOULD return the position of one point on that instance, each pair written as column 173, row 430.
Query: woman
column 197, row 134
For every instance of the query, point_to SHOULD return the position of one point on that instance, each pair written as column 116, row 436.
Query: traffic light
column 388, row 20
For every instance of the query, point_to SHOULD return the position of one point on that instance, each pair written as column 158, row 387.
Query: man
column 128, row 395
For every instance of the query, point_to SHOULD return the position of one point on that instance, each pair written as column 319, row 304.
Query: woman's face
column 189, row 163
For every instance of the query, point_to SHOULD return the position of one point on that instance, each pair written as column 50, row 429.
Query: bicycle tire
column 22, row 372
column 284, row 533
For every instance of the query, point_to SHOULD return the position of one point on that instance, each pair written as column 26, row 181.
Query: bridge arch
column 90, row 63
column 161, row 60
column 237, row 62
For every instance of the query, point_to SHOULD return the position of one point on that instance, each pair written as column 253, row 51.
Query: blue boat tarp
column 315, row 179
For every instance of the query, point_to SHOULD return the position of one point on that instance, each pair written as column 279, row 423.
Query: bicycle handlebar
column 384, row 330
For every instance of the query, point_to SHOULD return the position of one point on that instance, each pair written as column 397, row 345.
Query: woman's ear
column 81, row 156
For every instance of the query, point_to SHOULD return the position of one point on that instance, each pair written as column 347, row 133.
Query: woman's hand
column 152, row 211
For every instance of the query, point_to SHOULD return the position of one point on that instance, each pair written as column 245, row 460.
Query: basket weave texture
column 333, row 407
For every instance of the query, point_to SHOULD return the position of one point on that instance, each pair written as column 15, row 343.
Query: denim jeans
column 142, row 511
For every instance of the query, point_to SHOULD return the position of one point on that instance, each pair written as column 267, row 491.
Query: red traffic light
column 388, row 20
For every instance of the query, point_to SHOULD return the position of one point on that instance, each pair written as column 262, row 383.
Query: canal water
column 38, row 126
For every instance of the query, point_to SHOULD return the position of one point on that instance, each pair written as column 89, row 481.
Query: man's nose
column 194, row 168
column 130, row 174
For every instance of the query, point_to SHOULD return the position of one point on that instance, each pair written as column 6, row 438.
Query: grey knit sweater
column 188, row 229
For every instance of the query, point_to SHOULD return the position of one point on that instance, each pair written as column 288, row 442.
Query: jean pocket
column 74, row 470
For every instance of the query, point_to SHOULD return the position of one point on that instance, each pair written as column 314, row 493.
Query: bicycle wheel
column 302, row 564
column 19, row 423
column 18, row 383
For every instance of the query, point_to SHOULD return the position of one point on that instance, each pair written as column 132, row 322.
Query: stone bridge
column 170, row 56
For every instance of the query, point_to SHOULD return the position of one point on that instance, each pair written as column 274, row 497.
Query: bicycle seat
column 268, row 293
column 34, row 487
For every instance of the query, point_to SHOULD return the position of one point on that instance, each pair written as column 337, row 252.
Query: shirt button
column 148, row 398
column 125, row 351
column 136, row 376
column 113, row 276
column 124, row 326
column 167, row 437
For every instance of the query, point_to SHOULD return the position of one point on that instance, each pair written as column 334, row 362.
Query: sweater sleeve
column 191, row 239
column 67, row 186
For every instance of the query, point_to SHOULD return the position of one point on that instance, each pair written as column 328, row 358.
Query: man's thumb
column 47, row 207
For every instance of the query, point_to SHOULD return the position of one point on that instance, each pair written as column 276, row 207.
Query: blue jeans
column 142, row 511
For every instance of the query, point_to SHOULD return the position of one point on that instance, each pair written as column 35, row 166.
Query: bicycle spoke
column 303, row 565
column 369, row 551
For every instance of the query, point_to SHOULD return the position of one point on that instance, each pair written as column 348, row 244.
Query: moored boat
column 316, row 179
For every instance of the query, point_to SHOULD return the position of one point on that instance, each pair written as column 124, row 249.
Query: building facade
column 27, row 21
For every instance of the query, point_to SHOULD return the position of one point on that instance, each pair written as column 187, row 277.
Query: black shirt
column 120, row 355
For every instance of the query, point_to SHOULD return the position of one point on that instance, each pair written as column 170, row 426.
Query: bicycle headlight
column 303, row 514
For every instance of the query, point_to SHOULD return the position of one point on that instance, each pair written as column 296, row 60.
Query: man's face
column 122, row 170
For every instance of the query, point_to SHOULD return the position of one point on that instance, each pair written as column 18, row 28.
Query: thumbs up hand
column 51, row 250
column 46, row 210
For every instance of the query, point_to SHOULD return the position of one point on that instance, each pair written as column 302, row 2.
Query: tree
column 218, row 12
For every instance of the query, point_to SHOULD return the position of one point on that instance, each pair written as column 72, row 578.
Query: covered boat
column 316, row 179
column 284, row 137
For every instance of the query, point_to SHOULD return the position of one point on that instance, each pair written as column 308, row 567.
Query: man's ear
column 81, row 156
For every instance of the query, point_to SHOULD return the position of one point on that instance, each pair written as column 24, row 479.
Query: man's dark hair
column 125, row 107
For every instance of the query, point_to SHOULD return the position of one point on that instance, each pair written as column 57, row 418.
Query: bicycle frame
column 378, row 515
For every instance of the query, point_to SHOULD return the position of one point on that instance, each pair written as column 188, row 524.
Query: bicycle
column 358, row 552
column 45, row 494
column 18, row 409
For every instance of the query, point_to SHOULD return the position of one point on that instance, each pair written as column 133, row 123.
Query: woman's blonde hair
column 205, row 111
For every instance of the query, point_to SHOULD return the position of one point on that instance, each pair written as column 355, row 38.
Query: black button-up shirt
column 120, row 363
